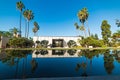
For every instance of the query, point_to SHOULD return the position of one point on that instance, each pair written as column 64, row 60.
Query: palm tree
column 76, row 26
column 36, row 26
column 28, row 14
column 20, row 6
column 83, row 16
column 117, row 23
column 25, row 13
column 86, row 14
column 34, row 31
column 14, row 31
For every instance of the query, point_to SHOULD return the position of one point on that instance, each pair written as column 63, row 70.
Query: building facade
column 3, row 41
column 61, row 41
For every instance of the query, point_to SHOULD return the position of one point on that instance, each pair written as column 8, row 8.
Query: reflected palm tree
column 34, row 65
column 13, row 57
column 78, row 66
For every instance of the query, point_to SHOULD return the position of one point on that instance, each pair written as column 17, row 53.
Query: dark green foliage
column 20, row 42
column 115, row 41
column 71, row 52
column 89, row 41
column 71, row 43
column 44, row 43
column 37, row 42
column 106, row 32
column 43, row 52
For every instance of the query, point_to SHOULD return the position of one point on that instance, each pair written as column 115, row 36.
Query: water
column 59, row 63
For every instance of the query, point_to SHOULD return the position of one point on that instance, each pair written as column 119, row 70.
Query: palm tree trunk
column 28, row 30
column 25, row 28
column 88, row 28
column 20, row 21
column 84, row 30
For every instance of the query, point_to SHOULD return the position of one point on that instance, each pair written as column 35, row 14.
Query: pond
column 18, row 64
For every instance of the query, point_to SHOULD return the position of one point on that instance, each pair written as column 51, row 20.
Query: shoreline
column 98, row 48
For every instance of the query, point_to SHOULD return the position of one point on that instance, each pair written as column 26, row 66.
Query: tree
column 106, row 32
column 115, row 41
column 36, row 27
column 90, row 41
column 6, row 33
column 20, row 42
column 28, row 14
column 83, row 16
column 25, row 16
column 14, row 31
column 20, row 6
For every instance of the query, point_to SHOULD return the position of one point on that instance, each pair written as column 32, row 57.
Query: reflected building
column 54, row 53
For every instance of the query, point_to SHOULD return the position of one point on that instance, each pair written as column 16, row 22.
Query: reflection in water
column 58, row 52
column 34, row 65
column 21, row 64
column 55, row 53
column 71, row 51
column 117, row 55
column 13, row 58
column 108, row 61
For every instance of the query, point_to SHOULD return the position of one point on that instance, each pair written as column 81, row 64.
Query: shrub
column 71, row 43
column 44, row 43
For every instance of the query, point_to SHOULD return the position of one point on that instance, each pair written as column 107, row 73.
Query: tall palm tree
column 20, row 6
column 29, row 16
column 83, row 16
column 86, row 14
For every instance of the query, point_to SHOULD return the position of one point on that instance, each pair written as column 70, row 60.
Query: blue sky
column 57, row 17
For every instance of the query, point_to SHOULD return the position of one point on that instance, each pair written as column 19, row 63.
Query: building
column 3, row 41
column 57, row 41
